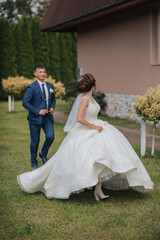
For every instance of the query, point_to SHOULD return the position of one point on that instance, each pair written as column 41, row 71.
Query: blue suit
column 34, row 101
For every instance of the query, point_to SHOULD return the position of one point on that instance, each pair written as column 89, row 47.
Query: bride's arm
column 82, row 120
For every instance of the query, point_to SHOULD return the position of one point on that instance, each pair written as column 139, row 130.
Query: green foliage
column 42, row 7
column 148, row 106
column 71, row 91
column 8, row 9
column 7, row 50
column 26, row 46
column 66, row 58
column 64, row 71
column 13, row 10
column 74, row 54
column 8, row 66
column 100, row 98
column 45, row 51
column 25, row 54
column 37, row 41
column 54, row 56
column 71, row 55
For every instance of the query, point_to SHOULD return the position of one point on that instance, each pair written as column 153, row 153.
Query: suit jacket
column 34, row 101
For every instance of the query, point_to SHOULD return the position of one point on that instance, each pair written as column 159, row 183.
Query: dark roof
column 63, row 15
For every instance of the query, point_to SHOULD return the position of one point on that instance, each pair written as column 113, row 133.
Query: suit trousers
column 47, row 126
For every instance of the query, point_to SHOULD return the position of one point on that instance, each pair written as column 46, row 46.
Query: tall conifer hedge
column 23, row 46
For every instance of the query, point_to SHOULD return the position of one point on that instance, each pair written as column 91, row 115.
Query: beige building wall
column 116, row 50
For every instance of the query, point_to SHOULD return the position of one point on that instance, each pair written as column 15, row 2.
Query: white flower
column 51, row 90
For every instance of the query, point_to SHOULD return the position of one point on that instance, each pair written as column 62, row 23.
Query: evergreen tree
column 40, row 43
column 63, row 58
column 74, row 54
column 45, row 52
column 65, row 65
column 54, row 56
column 68, row 43
column 71, row 51
column 16, row 36
column 13, row 10
column 8, row 65
column 25, row 54
column 37, row 42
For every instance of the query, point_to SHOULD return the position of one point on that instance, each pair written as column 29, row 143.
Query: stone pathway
column 131, row 134
column 135, row 136
column 60, row 116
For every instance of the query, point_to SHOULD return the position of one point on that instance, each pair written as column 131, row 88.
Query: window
column 79, row 71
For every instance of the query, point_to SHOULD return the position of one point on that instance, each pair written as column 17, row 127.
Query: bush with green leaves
column 100, row 99
column 71, row 91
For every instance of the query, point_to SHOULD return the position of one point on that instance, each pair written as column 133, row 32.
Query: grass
column 129, row 124
column 126, row 215
column 65, row 107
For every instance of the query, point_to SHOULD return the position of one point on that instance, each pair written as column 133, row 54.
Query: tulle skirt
column 86, row 157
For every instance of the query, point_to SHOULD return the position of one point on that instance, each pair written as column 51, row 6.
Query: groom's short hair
column 40, row 67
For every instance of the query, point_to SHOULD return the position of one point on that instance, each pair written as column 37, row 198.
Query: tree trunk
column 12, row 98
column 153, row 139
column 143, row 137
column 9, row 103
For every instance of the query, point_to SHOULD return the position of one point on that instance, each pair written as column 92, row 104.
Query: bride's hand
column 99, row 128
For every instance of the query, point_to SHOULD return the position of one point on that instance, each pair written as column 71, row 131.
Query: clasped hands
column 44, row 111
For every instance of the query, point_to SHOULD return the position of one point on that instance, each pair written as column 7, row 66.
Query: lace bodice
column 92, row 110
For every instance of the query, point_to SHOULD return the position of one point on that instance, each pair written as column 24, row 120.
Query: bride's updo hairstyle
column 85, row 83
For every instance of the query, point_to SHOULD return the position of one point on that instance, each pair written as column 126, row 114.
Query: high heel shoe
column 98, row 194
column 99, row 197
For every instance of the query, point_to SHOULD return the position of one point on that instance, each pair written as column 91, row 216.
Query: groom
column 39, row 100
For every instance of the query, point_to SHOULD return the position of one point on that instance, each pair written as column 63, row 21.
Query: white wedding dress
column 86, row 156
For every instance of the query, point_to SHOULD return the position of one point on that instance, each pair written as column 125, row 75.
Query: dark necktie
column 44, row 94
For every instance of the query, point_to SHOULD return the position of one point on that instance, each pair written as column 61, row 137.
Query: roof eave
column 83, row 16
column 71, row 24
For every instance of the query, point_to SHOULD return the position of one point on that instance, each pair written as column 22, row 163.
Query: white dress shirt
column 46, row 91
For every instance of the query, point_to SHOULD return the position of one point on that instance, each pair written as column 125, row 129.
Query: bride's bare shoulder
column 84, row 101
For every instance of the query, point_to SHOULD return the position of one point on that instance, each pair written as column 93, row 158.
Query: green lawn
column 65, row 107
column 130, row 124
column 126, row 215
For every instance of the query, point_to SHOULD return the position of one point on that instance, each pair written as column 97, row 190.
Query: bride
column 94, row 153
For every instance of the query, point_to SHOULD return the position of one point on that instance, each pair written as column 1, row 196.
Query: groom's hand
column 42, row 112
column 51, row 111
